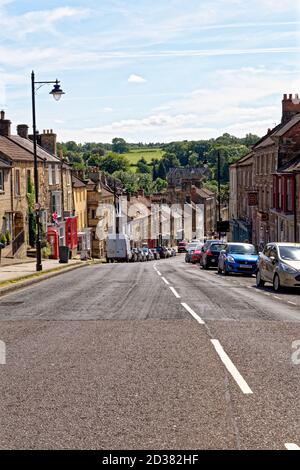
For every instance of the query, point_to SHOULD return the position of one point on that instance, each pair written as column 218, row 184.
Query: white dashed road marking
column 165, row 281
column 158, row 272
column 231, row 368
column 290, row 446
column 194, row 314
column 175, row 293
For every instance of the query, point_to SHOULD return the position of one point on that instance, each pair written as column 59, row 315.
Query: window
column 17, row 182
column 289, row 195
column 57, row 174
column 50, row 175
column 56, row 203
column 1, row 180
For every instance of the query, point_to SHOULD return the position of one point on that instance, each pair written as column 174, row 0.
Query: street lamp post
column 57, row 93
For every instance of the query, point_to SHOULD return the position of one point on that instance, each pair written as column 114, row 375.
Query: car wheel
column 259, row 281
column 276, row 283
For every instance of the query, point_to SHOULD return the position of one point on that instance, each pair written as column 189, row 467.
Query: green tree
column 113, row 162
column 161, row 171
column 159, row 185
column 143, row 166
column 119, row 145
column 130, row 181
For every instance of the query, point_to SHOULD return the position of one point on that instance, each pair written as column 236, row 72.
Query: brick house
column 17, row 170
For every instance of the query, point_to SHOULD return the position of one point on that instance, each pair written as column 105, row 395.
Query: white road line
column 158, row 272
column 194, row 314
column 278, row 298
column 231, row 368
column 291, row 446
column 175, row 293
column 292, row 303
column 165, row 281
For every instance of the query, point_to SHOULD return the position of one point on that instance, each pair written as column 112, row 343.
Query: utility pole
column 116, row 208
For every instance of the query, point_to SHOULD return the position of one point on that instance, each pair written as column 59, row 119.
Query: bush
column 46, row 251
column 8, row 237
column 3, row 239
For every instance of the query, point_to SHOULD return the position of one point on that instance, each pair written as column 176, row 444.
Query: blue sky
column 150, row 70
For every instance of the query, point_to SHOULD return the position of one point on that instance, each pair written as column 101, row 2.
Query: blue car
column 239, row 258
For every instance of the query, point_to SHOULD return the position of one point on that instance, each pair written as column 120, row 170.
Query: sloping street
column 156, row 355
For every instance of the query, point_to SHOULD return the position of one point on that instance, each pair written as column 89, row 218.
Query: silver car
column 279, row 264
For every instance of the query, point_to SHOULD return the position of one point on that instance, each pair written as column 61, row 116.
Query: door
column 271, row 263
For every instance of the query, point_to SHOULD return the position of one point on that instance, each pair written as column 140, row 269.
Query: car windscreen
column 242, row 249
column 289, row 253
column 217, row 247
column 192, row 246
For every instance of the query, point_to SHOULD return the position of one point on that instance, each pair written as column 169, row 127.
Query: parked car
column 149, row 256
column 134, row 256
column 169, row 253
column 142, row 254
column 174, row 252
column 196, row 255
column 190, row 250
column 155, row 254
column 210, row 254
column 162, row 250
column 118, row 248
column 205, row 246
column 240, row 258
column 137, row 254
column 279, row 264
column 182, row 247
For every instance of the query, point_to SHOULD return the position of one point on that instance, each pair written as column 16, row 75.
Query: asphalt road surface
column 157, row 355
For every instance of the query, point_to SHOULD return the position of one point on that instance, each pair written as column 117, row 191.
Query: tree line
column 151, row 176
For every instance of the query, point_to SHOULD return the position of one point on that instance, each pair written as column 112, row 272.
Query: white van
column 118, row 248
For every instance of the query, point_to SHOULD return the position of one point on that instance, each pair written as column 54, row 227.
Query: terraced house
column 272, row 188
column 17, row 190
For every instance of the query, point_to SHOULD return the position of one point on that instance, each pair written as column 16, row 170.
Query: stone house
column 243, row 197
column 17, row 170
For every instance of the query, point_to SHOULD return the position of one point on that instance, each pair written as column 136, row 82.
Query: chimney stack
column 5, row 125
column 290, row 107
column 48, row 141
column 22, row 131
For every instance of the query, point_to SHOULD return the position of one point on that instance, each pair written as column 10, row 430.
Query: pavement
column 13, row 271
column 157, row 355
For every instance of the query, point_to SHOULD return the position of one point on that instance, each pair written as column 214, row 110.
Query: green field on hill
column 135, row 155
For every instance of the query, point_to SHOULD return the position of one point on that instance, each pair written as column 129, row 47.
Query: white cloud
column 136, row 79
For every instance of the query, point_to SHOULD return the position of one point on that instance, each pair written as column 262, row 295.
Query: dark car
column 163, row 252
column 182, row 247
column 210, row 254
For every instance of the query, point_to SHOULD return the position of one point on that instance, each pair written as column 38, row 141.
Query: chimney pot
column 285, row 97
column 2, row 115
column 22, row 130
column 290, row 107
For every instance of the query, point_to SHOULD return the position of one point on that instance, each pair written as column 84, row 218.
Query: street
column 156, row 355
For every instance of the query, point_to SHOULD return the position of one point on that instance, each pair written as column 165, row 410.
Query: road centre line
column 175, row 292
column 194, row 314
column 292, row 303
column 291, row 446
column 158, row 272
column 231, row 368
column 165, row 281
